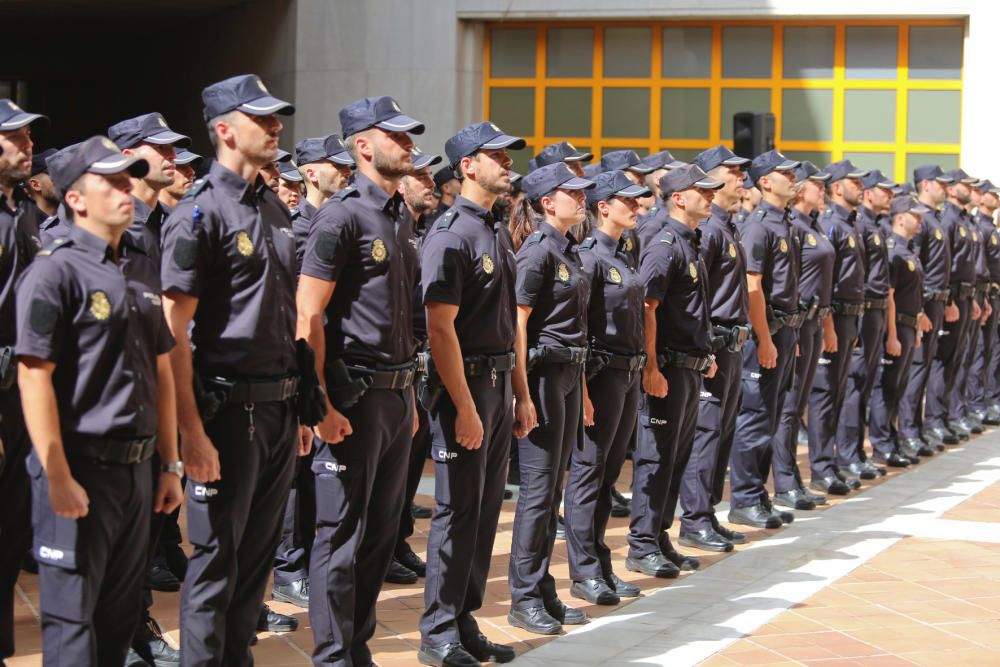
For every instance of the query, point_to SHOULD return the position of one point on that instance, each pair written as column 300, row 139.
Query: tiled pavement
column 906, row 572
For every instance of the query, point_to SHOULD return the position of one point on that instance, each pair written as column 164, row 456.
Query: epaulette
column 446, row 220
column 349, row 191
column 668, row 237
column 890, row 243
column 294, row 213
column 196, row 188
column 55, row 245
column 49, row 222
column 588, row 243
column 535, row 237
column 760, row 213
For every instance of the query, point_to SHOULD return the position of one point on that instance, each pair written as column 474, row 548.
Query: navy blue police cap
column 422, row 160
column 661, row 160
column 381, row 112
column 38, row 165
column 148, row 128
column 562, row 151
column 330, row 148
column 13, row 117
column 290, row 171
column 443, row 175
column 930, row 172
column 246, row 93
column 876, row 179
column 282, row 156
column 719, row 156
column 614, row 183
column 844, row 169
column 688, row 176
column 959, row 176
column 478, row 136
column 97, row 155
column 772, row 160
column 807, row 170
column 591, row 170
column 624, row 160
column 551, row 177
column 185, row 156
column 986, row 185
column 907, row 204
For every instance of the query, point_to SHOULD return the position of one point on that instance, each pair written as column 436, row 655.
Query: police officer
column 325, row 165
column 906, row 280
column 982, row 373
column 185, row 163
column 817, row 256
column 229, row 265
column 355, row 306
column 833, row 449
column 725, row 264
column 627, row 161
column 92, row 340
column 552, row 295
column 563, row 151
column 290, row 185
column 39, row 184
column 769, row 356
column 468, row 273
column 934, row 249
column 613, row 376
column 448, row 186
column 678, row 344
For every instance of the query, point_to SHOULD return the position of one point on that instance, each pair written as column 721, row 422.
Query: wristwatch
column 176, row 468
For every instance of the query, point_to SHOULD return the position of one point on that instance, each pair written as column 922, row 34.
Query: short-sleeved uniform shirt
column 101, row 323
column 817, row 259
column 673, row 273
column 991, row 245
column 14, row 259
column 229, row 243
column 877, row 254
column 28, row 219
column 772, row 251
column 419, row 313
column 302, row 217
column 982, row 237
column 726, row 263
column 552, row 282
column 646, row 228
column 849, row 268
column 964, row 240
column 934, row 248
column 362, row 240
column 615, row 311
column 467, row 260
column 148, row 227
column 906, row 275
column 54, row 226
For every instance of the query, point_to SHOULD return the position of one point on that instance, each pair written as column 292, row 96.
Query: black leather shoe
column 858, row 469
column 272, row 621
column 878, row 470
column 413, row 562
column 830, row 485
column 817, row 498
column 535, row 620
column 149, row 644
column 911, row 455
column 419, row 511
column 757, row 516
column 733, row 536
column 449, row 655
column 623, row 588
column 685, row 563
column 917, row 446
column 400, row 574
column 893, row 460
column 560, row 528
column 594, row 591
column 507, row 494
column 958, row 429
column 161, row 578
column 653, row 565
column 565, row 615
column 991, row 417
column 794, row 499
column 784, row 517
column 484, row 650
column 296, row 593
column 706, row 540
column 972, row 424
column 620, row 505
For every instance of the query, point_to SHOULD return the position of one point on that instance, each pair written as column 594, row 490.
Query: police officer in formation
column 164, row 310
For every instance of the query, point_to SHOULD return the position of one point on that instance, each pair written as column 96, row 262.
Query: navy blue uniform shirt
column 615, row 315
column 726, row 263
column 302, row 217
column 54, row 226
column 102, row 324
column 772, row 251
column 877, row 254
column 934, row 249
column 551, row 281
column 15, row 256
column 817, row 259
column 991, row 245
column 647, row 227
column 467, row 260
column 362, row 239
column 674, row 274
column 906, row 275
column 849, row 268
column 962, row 235
column 148, row 226
column 230, row 244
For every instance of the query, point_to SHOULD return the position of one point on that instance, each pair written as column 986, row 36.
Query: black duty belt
column 483, row 364
column 675, row 359
column 962, row 290
column 823, row 311
column 907, row 320
column 877, row 304
column 544, row 354
column 111, row 450
column 982, row 288
column 783, row 319
column 625, row 362
column 388, row 377
column 937, row 295
column 841, row 308
column 254, row 391
column 731, row 338
column 809, row 308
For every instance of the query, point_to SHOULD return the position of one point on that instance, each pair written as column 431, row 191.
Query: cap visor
column 17, row 121
column 921, row 209
column 675, row 164
column 168, row 138
column 186, row 157
column 579, row 157
column 709, row 184
column 402, row 123
column 504, row 141
column 633, row 191
column 640, row 169
column 116, row 163
column 426, row 161
column 343, row 158
column 857, row 174
column 735, row 161
column 885, row 184
column 576, row 183
column 267, row 105
column 788, row 165
column 293, row 176
column 947, row 180
column 819, row 177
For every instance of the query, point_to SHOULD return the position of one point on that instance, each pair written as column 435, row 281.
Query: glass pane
column 567, row 112
column 818, row 158
column 687, row 53
column 684, row 154
column 627, row 52
column 640, row 151
column 570, row 52
column 626, row 112
column 934, row 116
column 808, row 52
column 514, row 110
column 512, row 52
column 807, row 115
column 735, row 100
column 884, row 162
column 936, row 52
column 869, row 115
column 913, row 160
column 684, row 113
column 872, row 52
column 746, row 52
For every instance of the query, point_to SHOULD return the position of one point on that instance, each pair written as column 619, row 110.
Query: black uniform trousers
column 993, row 372
column 982, row 361
column 594, row 467
column 234, row 525
column 419, row 450
column 959, row 406
column 764, row 392
column 90, row 574
column 889, row 388
column 666, row 436
column 468, row 495
column 359, row 495
column 298, row 525
column 911, row 405
column 944, row 368
column 784, row 463
column 557, row 392
column 15, row 510
column 826, row 397
column 865, row 360
column 704, row 480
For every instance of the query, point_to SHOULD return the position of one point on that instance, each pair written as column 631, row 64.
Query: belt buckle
column 288, row 388
column 134, row 454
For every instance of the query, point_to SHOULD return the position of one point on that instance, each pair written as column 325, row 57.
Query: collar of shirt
column 306, row 209
column 773, row 213
column 902, row 240
column 952, row 209
column 390, row 205
column 682, row 230
column 563, row 241
column 95, row 245
column 844, row 214
column 804, row 220
column 472, row 208
column 237, row 186
column 611, row 246
column 143, row 212
column 721, row 214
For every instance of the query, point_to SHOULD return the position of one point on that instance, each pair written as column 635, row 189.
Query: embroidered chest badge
column 811, row 240
column 100, row 307
column 910, row 265
column 628, row 245
column 379, row 252
column 937, row 234
column 851, row 242
column 876, row 239
column 693, row 270
column 244, row 245
column 614, row 276
column 961, row 230
column 488, row 264
column 732, row 250
column 783, row 245
column 563, row 273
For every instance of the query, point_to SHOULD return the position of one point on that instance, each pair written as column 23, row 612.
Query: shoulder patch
column 446, row 220
column 196, row 188
column 185, row 253
column 55, row 245
column 43, row 317
column 588, row 243
column 349, row 191
column 890, row 243
column 668, row 238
